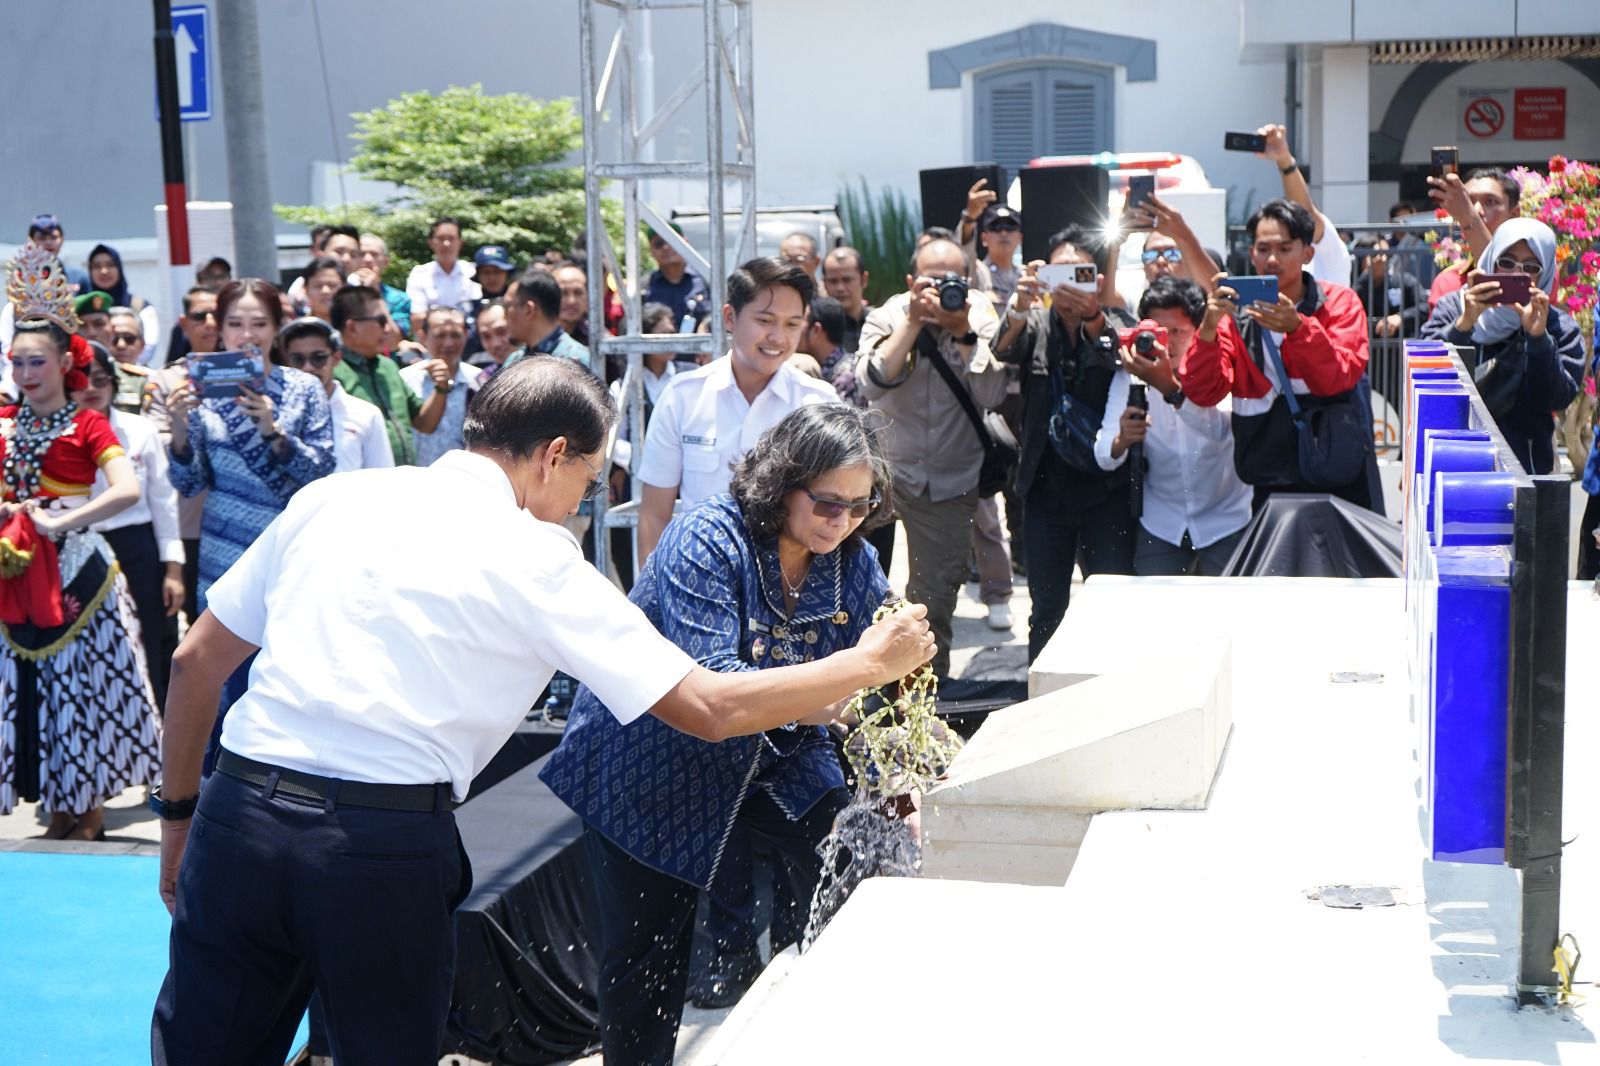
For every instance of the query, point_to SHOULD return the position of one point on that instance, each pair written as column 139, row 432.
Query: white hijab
column 1501, row 321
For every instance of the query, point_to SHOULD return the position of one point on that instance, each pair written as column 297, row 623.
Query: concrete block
column 1017, row 801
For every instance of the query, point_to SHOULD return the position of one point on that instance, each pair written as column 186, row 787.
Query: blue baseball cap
column 494, row 255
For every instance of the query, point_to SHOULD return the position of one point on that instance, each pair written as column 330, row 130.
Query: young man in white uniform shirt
column 443, row 281
column 360, row 438
column 708, row 418
column 1195, row 506
column 323, row 853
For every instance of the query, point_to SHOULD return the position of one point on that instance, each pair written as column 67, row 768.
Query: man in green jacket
column 360, row 314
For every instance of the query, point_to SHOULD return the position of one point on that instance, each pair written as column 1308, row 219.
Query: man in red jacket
column 1321, row 332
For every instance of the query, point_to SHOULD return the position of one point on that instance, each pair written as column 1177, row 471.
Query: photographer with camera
column 1066, row 344
column 926, row 363
column 1195, row 507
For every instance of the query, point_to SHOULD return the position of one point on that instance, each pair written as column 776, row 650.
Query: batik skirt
column 78, row 721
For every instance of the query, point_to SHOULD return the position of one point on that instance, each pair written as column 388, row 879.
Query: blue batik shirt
column 669, row 799
column 249, row 483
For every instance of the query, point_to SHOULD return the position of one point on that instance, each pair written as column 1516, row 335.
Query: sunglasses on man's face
column 201, row 316
column 1171, row 255
column 1003, row 227
column 317, row 360
column 823, row 507
column 126, row 340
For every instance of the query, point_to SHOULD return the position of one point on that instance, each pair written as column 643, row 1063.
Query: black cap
column 1001, row 213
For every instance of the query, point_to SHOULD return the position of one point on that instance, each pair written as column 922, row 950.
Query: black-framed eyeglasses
column 1171, row 255
column 596, row 483
column 318, row 360
column 101, row 381
column 823, row 507
column 368, row 318
column 1507, row 264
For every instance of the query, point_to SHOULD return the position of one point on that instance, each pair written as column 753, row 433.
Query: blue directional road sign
column 191, row 30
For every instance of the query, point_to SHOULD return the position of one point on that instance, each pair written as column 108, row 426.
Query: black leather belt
column 417, row 798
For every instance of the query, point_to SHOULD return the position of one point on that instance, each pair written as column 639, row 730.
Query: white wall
column 842, row 90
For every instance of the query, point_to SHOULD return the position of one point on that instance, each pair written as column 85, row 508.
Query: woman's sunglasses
column 1509, row 265
column 823, row 507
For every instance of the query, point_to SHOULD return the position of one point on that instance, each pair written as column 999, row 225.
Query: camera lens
column 1144, row 342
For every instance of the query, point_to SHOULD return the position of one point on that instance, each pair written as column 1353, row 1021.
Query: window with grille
column 1050, row 109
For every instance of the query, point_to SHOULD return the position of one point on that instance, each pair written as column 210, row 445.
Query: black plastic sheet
column 526, row 970
column 1310, row 535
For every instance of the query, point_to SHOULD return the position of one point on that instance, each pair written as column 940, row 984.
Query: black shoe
column 725, row 981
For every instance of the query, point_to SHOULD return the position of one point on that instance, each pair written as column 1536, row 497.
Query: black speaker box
column 944, row 191
column 1055, row 197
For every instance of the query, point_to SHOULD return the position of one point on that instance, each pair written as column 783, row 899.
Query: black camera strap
column 928, row 347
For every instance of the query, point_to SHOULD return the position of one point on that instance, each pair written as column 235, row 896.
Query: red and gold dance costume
column 77, row 717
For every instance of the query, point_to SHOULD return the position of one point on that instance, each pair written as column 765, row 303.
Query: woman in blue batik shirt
column 774, row 572
column 252, row 452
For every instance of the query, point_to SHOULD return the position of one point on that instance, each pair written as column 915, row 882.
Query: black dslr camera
column 953, row 289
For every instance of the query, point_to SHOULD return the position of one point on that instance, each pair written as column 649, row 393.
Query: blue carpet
column 83, row 939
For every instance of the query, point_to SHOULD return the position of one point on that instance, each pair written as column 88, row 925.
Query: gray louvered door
column 1026, row 112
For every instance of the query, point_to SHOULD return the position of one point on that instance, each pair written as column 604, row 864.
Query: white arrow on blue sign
column 191, row 29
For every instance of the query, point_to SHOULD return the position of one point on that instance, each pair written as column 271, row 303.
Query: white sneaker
column 999, row 616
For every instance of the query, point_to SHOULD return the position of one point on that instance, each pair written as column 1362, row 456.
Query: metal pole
column 175, row 191
column 718, row 281
column 593, row 109
column 244, row 111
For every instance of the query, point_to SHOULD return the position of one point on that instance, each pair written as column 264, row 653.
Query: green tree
column 884, row 230
column 497, row 163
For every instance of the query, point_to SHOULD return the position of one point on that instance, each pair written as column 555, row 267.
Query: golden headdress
column 37, row 285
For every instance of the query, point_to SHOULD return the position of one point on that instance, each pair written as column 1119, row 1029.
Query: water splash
column 870, row 838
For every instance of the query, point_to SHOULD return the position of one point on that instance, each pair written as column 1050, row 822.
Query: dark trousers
column 1588, row 552
column 142, row 568
column 882, row 538
column 647, row 922
column 1099, row 538
column 278, row 896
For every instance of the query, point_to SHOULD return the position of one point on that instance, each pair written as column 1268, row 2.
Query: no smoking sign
column 1484, row 117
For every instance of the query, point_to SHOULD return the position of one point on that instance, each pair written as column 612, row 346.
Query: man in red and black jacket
column 1321, row 332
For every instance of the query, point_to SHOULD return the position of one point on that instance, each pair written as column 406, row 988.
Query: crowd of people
column 1007, row 421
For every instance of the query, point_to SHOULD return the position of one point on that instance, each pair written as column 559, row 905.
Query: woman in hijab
column 106, row 275
column 1529, row 355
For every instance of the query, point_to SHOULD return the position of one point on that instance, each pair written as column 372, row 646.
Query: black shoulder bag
column 1073, row 425
column 1331, row 433
column 1000, row 452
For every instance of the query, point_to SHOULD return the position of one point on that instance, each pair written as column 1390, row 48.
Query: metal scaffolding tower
column 619, row 154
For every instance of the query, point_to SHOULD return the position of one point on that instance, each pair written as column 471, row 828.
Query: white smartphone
column 1080, row 276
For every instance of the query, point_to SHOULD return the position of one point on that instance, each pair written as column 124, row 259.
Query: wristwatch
column 1175, row 397
column 172, row 810
column 1290, row 169
column 968, row 339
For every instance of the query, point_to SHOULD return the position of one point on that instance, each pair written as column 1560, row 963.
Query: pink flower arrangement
column 1568, row 201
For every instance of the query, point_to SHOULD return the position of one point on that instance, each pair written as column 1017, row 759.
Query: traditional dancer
column 77, row 717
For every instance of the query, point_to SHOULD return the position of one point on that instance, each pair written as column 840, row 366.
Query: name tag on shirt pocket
column 700, row 455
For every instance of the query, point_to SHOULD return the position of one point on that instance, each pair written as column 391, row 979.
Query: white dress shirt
column 702, row 425
column 360, row 438
column 158, row 500
column 382, row 666
column 446, row 436
column 429, row 285
column 1191, row 485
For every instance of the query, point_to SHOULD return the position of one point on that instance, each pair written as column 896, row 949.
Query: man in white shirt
column 1195, row 507
column 708, row 418
column 323, row 852
column 1332, row 260
column 360, row 438
column 443, row 332
column 443, row 281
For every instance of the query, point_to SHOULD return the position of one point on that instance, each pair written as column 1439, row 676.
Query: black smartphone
column 1446, row 160
column 1140, row 188
column 1244, row 142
